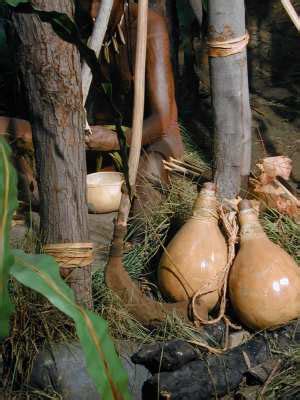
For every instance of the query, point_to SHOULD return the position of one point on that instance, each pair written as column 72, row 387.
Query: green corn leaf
column 41, row 273
column 8, row 204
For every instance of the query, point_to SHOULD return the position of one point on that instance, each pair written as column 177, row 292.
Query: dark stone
column 202, row 379
column 217, row 375
column 62, row 369
column 165, row 356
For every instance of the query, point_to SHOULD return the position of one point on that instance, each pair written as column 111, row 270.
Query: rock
column 100, row 233
column 62, row 369
column 237, row 338
column 165, row 356
column 17, row 235
column 277, row 93
column 214, row 376
column 205, row 379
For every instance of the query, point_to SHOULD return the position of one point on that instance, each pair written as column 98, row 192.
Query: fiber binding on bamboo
column 228, row 47
column 71, row 255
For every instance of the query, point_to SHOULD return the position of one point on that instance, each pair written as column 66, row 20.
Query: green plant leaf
column 41, row 273
column 8, row 204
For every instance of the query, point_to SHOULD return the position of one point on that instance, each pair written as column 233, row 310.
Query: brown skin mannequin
column 161, row 135
column 161, row 121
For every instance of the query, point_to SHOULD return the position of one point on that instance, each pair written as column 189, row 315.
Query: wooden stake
column 292, row 13
column 95, row 43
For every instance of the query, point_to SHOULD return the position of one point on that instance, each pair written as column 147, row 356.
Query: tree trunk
column 230, row 99
column 51, row 71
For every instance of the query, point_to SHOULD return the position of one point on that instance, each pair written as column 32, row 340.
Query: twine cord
column 231, row 227
column 71, row 255
column 228, row 47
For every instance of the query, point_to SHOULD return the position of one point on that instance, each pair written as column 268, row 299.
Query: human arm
column 160, row 93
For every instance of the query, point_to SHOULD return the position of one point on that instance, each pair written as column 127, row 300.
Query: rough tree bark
column 51, row 71
column 230, row 99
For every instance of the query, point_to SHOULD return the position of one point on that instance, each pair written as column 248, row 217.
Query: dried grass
column 286, row 384
column 36, row 323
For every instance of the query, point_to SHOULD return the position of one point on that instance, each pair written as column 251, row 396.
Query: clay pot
column 104, row 191
column 196, row 257
column 264, row 282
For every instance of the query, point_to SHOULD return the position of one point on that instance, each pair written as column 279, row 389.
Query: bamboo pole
column 95, row 43
column 230, row 96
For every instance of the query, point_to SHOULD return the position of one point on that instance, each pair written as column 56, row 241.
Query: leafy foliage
column 8, row 203
column 41, row 273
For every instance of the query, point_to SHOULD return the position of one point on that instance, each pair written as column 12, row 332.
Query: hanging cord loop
column 228, row 47
column 71, row 255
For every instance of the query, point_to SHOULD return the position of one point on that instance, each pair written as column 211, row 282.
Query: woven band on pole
column 228, row 47
column 71, row 255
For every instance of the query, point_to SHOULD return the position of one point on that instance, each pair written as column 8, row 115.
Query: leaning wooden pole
column 95, row 43
column 117, row 279
column 227, row 43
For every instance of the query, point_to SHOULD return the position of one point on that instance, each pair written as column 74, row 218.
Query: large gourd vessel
column 264, row 282
column 196, row 257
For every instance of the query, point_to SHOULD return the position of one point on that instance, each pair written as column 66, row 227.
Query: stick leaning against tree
column 145, row 310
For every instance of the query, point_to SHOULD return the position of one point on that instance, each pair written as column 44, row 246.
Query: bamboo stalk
column 95, row 43
column 138, row 110
column 292, row 13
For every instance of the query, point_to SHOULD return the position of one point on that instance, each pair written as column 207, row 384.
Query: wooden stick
column 187, row 165
column 95, row 43
column 139, row 92
column 292, row 13
column 169, row 166
column 138, row 110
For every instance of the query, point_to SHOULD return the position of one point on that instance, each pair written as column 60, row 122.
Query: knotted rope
column 228, row 47
column 71, row 255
